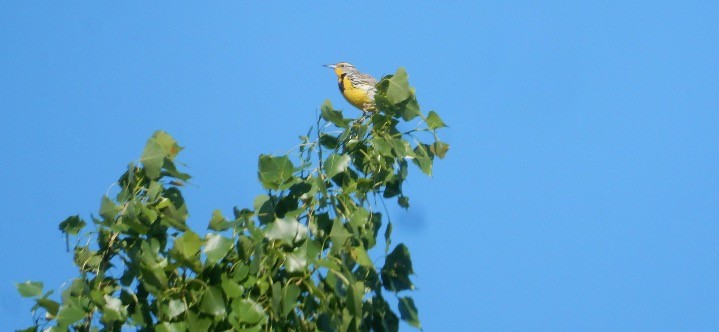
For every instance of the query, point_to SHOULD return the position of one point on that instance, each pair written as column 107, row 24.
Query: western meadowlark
column 358, row 88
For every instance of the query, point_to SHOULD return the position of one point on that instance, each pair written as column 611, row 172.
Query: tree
column 297, row 261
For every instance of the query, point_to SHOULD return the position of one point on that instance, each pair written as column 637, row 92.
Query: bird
column 358, row 88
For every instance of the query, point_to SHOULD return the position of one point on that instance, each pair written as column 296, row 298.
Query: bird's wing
column 367, row 79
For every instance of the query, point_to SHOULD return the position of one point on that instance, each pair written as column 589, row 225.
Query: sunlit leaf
column 274, row 172
column 68, row 314
column 113, row 309
column 287, row 230
column 439, row 149
column 218, row 222
column 108, row 208
column 247, row 311
column 188, row 245
column 175, row 308
column 434, row 121
column 29, row 288
column 157, row 148
column 336, row 164
column 295, row 262
column 360, row 255
column 216, row 247
column 423, row 159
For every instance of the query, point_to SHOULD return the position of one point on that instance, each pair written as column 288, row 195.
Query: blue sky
column 581, row 191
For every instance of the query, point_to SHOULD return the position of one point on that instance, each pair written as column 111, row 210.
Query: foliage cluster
column 298, row 260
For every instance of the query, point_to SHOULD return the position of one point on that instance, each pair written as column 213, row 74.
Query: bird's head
column 343, row 68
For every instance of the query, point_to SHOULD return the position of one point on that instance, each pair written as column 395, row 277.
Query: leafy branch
column 298, row 260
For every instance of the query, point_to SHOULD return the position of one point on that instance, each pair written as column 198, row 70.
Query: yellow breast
column 357, row 96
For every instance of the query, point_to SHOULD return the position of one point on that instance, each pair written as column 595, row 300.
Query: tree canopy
column 297, row 260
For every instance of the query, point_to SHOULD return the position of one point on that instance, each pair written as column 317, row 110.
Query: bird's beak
column 330, row 66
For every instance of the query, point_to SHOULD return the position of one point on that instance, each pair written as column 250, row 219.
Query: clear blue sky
column 581, row 191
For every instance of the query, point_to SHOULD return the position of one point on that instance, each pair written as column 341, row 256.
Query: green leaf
column 171, row 327
column 423, row 159
column 69, row 314
column 87, row 259
column 171, row 170
column 358, row 219
column 439, row 149
column 196, row 323
column 175, row 308
column 247, row 311
column 354, row 298
column 274, row 172
column 240, row 272
column 108, row 209
column 218, row 222
column 216, row 247
column 434, row 121
column 359, row 254
column 231, row 287
column 212, row 302
column 339, row 233
column 392, row 188
column 277, row 297
column 400, row 147
column 329, row 141
column 187, row 245
column 403, row 201
column 289, row 298
column 398, row 89
column 287, row 230
column 72, row 225
column 296, row 262
column 382, row 146
column 263, row 208
column 336, row 164
column 113, row 310
column 334, row 116
column 29, row 288
column 408, row 311
column 175, row 214
column 160, row 146
column 397, row 269
column 410, row 109
column 50, row 306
